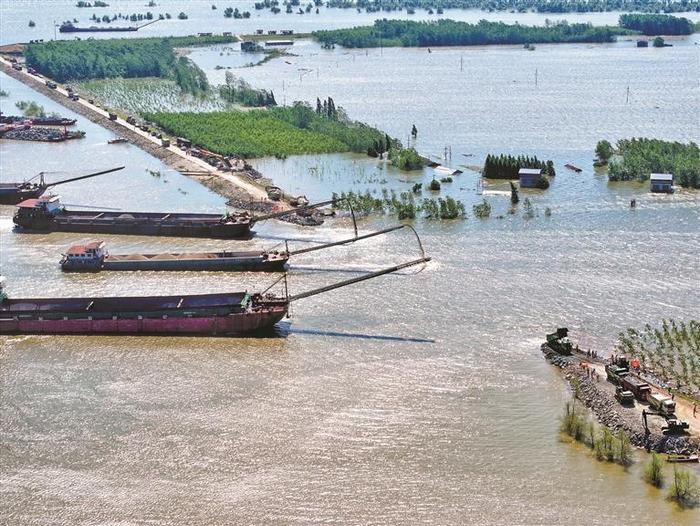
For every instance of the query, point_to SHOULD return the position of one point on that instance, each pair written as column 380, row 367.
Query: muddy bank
column 598, row 395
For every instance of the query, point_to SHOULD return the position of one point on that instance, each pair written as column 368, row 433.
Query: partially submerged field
column 280, row 131
column 138, row 95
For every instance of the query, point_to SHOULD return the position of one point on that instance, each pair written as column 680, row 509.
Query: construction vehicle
column 673, row 425
column 661, row 403
column 623, row 396
column 639, row 387
column 559, row 341
column 616, row 371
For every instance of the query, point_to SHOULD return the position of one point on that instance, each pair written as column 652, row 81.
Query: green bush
column 434, row 185
column 642, row 157
column 653, row 471
column 482, row 210
column 684, row 488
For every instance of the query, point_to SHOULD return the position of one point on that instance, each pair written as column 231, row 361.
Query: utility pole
column 627, row 99
column 536, row 72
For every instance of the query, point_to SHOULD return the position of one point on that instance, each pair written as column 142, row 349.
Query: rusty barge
column 223, row 314
column 47, row 214
column 94, row 257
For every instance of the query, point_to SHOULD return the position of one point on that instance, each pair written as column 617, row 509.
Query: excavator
column 673, row 425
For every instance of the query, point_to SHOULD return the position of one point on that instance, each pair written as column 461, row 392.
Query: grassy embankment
column 635, row 159
column 405, row 33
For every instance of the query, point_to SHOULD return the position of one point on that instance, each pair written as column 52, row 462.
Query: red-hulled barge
column 224, row 314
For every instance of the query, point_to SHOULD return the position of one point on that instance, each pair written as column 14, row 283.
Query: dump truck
column 662, row 403
column 615, row 373
column 623, row 396
column 559, row 341
column 637, row 386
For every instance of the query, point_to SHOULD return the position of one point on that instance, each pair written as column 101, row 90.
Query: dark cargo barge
column 224, row 314
column 47, row 214
column 94, row 257
column 37, row 121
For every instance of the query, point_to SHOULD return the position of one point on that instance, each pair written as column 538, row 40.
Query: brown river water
column 419, row 398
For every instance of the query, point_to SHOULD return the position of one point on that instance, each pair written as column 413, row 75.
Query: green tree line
column 540, row 6
column 66, row 60
column 445, row 32
column 508, row 166
column 657, row 24
column 639, row 158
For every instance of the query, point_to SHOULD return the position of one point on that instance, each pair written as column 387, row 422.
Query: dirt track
column 240, row 189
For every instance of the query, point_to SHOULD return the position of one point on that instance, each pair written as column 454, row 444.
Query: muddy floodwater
column 417, row 398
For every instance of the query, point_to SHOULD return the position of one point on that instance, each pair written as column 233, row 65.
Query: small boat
column 682, row 458
column 574, row 168
column 118, row 140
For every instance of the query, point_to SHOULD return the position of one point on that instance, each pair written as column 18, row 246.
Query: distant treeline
column 657, row 24
column 451, row 33
column 65, row 60
column 539, row 6
column 238, row 91
column 642, row 157
column 508, row 166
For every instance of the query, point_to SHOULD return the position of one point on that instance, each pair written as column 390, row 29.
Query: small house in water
column 529, row 177
column 661, row 183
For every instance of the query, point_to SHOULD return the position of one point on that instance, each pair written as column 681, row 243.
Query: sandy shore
column 237, row 186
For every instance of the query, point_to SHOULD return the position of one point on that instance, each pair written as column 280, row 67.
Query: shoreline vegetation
column 445, row 32
column 520, row 6
column 635, row 159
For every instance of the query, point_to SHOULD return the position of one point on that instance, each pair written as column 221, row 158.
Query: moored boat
column 222, row 314
column 47, row 214
column 13, row 193
column 94, row 257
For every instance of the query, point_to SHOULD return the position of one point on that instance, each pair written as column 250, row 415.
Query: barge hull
column 215, row 231
column 228, row 325
column 257, row 264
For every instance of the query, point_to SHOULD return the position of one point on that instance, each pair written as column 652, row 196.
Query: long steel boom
column 358, row 279
column 345, row 241
column 48, row 185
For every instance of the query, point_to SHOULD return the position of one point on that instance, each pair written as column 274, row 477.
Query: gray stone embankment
column 600, row 399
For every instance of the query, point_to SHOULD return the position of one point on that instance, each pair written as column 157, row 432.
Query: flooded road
column 417, row 398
